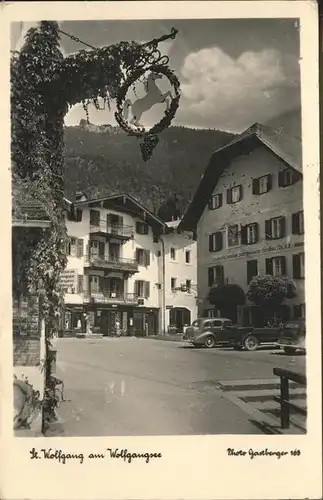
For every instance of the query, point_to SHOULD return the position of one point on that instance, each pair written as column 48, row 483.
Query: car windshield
column 227, row 323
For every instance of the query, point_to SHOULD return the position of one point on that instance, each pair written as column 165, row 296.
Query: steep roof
column 285, row 147
column 125, row 203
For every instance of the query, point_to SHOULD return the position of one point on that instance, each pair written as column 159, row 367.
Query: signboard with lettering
column 266, row 249
column 68, row 279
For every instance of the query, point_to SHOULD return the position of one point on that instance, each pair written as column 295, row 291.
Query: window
column 74, row 215
column 188, row 285
column 80, row 280
column 173, row 253
column 216, row 242
column 234, row 194
column 216, row 275
column 95, row 283
column 262, row 185
column 298, row 223
column 299, row 311
column 299, row 265
column 142, row 289
column 97, row 248
column 215, row 202
column 188, row 256
column 143, row 257
column 114, row 252
column 276, row 266
column 249, row 234
column 94, row 218
column 287, row 177
column 216, row 323
column 173, row 282
column 275, row 228
column 233, row 235
column 141, row 228
column 75, row 247
column 252, row 269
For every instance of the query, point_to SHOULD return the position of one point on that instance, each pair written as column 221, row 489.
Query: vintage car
column 292, row 336
column 258, row 336
column 208, row 332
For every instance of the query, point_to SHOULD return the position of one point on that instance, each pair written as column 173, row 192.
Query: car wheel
column 289, row 350
column 251, row 343
column 210, row 342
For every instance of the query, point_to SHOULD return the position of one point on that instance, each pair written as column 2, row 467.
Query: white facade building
column 248, row 214
column 117, row 268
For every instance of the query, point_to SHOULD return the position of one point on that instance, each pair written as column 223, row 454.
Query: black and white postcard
column 160, row 308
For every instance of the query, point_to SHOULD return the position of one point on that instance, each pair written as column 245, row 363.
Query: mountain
column 290, row 122
column 103, row 160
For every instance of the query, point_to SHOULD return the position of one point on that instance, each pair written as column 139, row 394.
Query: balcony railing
column 110, row 298
column 123, row 232
column 104, row 262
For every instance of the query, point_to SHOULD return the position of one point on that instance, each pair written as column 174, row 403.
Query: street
column 131, row 386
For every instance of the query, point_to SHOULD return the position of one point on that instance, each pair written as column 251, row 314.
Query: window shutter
column 136, row 288
column 243, row 233
column 229, row 196
column 147, row 289
column 220, row 200
column 281, row 179
column 87, row 252
column 120, row 221
column 269, row 266
column 147, row 257
column 268, row 233
column 80, row 283
column 240, row 193
column 296, row 266
column 219, row 241
column 137, row 255
column 101, row 249
column 269, row 182
column 255, row 186
column 220, row 274
column 211, row 276
column 80, row 247
column 256, row 232
column 283, row 263
column 295, row 223
column 101, row 283
column 138, row 225
column 211, row 243
column 283, row 226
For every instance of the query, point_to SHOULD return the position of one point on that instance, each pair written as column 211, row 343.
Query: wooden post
column 284, row 397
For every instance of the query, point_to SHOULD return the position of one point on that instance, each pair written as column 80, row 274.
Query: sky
column 233, row 72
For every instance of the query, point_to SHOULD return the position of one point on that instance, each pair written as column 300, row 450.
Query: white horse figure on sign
column 154, row 96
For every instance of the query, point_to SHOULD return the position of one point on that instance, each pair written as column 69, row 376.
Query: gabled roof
column 285, row 147
column 26, row 211
column 126, row 203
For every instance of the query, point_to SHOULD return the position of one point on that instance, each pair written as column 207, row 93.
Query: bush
column 270, row 291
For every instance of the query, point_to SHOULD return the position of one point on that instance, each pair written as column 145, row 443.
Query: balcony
column 122, row 233
column 104, row 262
column 111, row 298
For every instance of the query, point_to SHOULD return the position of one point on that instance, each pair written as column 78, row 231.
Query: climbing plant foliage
column 44, row 85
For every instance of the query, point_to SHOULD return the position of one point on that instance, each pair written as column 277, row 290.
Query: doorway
column 179, row 316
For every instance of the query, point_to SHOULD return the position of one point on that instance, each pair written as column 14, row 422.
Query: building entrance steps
column 259, row 398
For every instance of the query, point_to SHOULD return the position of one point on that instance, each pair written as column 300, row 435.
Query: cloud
column 231, row 94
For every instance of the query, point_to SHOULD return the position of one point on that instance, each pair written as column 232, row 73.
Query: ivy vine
column 44, row 85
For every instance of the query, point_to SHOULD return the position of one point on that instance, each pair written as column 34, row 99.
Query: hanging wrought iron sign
column 129, row 114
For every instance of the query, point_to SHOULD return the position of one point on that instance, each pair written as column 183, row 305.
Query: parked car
column 258, row 336
column 292, row 336
column 208, row 332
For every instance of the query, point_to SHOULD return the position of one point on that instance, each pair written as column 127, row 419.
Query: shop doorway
column 178, row 317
